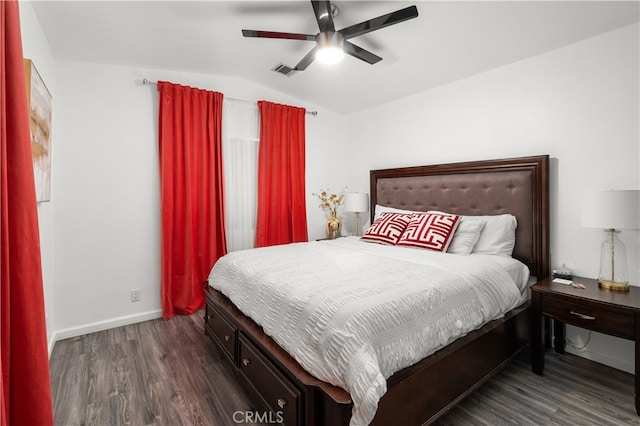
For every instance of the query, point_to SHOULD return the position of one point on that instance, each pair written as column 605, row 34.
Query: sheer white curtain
column 240, row 136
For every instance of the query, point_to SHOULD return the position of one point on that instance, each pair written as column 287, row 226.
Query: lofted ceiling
column 449, row 40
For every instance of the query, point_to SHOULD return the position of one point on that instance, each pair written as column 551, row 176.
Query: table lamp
column 612, row 210
column 356, row 202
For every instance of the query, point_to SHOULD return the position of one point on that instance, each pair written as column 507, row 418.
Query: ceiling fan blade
column 306, row 61
column 379, row 22
column 322, row 9
column 275, row 34
column 360, row 53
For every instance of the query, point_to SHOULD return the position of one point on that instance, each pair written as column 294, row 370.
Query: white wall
column 107, row 187
column 36, row 48
column 579, row 104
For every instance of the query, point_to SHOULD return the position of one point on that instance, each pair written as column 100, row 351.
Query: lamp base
column 357, row 224
column 613, row 263
column 613, row 285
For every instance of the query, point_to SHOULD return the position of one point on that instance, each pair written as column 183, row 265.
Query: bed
column 423, row 391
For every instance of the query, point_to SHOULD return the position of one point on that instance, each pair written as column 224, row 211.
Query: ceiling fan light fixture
column 329, row 47
column 329, row 55
column 330, row 44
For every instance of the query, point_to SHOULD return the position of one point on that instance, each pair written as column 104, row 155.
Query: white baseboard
column 52, row 342
column 67, row 333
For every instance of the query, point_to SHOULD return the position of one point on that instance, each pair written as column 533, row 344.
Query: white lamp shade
column 618, row 209
column 356, row 202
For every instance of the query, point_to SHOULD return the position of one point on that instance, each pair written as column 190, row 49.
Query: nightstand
column 609, row 312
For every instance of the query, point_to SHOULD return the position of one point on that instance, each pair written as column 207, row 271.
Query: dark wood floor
column 167, row 373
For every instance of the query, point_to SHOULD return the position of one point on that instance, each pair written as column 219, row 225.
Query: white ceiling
column 448, row 40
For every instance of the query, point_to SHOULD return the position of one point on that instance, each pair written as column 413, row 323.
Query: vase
column 334, row 226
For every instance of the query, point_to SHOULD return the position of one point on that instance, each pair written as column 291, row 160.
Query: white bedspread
column 353, row 313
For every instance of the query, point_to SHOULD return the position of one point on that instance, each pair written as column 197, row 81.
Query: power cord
column 583, row 346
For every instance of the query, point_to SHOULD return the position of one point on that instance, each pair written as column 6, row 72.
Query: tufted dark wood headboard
column 519, row 186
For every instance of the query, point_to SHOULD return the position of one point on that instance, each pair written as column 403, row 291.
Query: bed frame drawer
column 222, row 330
column 278, row 393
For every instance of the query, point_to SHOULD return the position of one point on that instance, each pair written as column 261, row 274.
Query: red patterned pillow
column 430, row 230
column 387, row 229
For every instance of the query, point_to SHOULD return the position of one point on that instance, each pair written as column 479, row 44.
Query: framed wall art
column 40, row 104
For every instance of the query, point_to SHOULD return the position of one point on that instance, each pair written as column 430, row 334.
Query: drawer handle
column 208, row 317
column 582, row 316
column 282, row 402
column 227, row 337
column 246, row 361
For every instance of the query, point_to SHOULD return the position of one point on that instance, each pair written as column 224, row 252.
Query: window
column 240, row 136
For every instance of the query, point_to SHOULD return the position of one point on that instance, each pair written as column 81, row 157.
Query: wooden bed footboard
column 289, row 394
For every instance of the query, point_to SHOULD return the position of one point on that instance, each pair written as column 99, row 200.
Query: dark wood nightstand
column 610, row 312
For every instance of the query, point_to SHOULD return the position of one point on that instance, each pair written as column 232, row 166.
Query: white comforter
column 353, row 313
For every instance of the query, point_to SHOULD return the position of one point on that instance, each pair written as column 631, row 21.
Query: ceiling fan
column 332, row 44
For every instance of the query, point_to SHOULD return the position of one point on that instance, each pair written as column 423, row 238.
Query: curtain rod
column 147, row 82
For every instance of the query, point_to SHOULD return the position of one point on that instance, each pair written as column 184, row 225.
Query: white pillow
column 467, row 235
column 498, row 236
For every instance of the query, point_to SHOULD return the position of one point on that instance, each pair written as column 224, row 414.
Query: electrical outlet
column 135, row 295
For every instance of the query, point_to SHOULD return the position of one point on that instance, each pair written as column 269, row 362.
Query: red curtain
column 192, row 197
column 26, row 384
column 282, row 214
